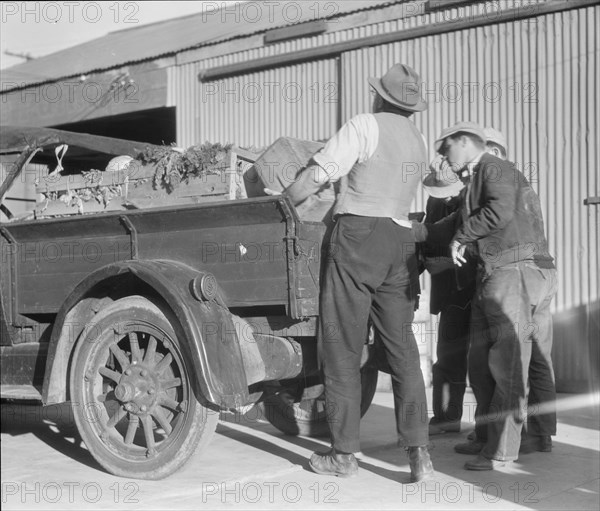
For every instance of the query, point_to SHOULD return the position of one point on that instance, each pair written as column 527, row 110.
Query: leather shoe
column 545, row 443
column 483, row 463
column 420, row 463
column 531, row 444
column 471, row 447
column 334, row 464
column 438, row 427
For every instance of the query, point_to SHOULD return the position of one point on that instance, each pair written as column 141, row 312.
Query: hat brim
column 496, row 141
column 437, row 145
column 443, row 192
column 376, row 84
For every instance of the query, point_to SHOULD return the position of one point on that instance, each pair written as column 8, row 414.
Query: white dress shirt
column 355, row 142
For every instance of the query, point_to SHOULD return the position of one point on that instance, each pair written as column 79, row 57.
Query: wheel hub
column 137, row 389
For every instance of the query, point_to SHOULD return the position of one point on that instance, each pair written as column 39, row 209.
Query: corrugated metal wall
column 194, row 99
column 536, row 80
column 255, row 109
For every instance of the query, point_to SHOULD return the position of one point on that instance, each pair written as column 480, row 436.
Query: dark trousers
column 370, row 271
column 510, row 320
column 449, row 373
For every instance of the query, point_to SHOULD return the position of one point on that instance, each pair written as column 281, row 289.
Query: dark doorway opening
column 155, row 126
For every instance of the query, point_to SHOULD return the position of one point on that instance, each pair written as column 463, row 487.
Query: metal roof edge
column 41, row 82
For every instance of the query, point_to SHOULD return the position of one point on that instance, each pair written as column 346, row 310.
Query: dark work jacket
column 501, row 214
column 454, row 285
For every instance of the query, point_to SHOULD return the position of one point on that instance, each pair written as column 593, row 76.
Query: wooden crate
column 277, row 167
column 134, row 188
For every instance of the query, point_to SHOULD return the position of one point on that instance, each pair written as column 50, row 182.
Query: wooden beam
column 296, row 31
column 334, row 50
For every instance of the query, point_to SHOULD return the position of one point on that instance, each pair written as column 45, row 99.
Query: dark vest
column 385, row 184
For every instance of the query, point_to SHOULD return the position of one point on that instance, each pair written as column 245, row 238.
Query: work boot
column 533, row 443
column 483, row 463
column 420, row 463
column 334, row 464
column 470, row 447
column 438, row 427
column 545, row 443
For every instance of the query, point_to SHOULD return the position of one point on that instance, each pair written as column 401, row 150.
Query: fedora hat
column 460, row 127
column 442, row 182
column 400, row 87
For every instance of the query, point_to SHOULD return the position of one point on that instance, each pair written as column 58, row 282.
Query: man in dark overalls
column 376, row 160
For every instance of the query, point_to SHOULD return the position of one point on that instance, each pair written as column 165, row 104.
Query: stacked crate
column 132, row 185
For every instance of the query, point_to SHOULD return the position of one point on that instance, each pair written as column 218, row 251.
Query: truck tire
column 299, row 409
column 132, row 392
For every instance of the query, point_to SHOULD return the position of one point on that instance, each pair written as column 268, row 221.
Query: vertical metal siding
column 536, row 80
column 184, row 89
column 255, row 109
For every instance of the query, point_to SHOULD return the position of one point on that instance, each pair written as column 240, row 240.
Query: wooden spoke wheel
column 132, row 391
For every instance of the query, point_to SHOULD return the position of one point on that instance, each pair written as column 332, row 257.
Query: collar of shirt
column 469, row 168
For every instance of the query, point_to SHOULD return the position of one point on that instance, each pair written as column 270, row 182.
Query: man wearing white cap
column 501, row 214
column 541, row 425
column 376, row 160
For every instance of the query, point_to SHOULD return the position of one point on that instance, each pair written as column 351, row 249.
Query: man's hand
column 438, row 164
column 268, row 191
column 457, row 252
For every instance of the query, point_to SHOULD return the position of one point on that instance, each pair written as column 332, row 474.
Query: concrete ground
column 251, row 465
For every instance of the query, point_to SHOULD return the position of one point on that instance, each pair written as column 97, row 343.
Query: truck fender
column 206, row 325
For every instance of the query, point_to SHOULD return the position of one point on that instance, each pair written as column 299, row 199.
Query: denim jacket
column 501, row 213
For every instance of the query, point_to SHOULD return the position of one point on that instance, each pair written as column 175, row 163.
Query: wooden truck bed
column 252, row 246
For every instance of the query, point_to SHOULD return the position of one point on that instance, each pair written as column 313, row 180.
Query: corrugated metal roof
column 171, row 36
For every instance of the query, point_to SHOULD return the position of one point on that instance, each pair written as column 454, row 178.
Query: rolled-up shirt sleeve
column 356, row 141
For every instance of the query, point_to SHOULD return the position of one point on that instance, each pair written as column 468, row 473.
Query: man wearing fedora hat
column 375, row 162
column 501, row 214
column 451, row 292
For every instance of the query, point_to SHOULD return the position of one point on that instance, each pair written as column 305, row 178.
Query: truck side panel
column 242, row 243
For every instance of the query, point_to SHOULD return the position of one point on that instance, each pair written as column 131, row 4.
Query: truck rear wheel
column 132, row 391
column 299, row 408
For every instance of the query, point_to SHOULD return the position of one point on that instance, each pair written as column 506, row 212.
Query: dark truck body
column 234, row 284
column 265, row 261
